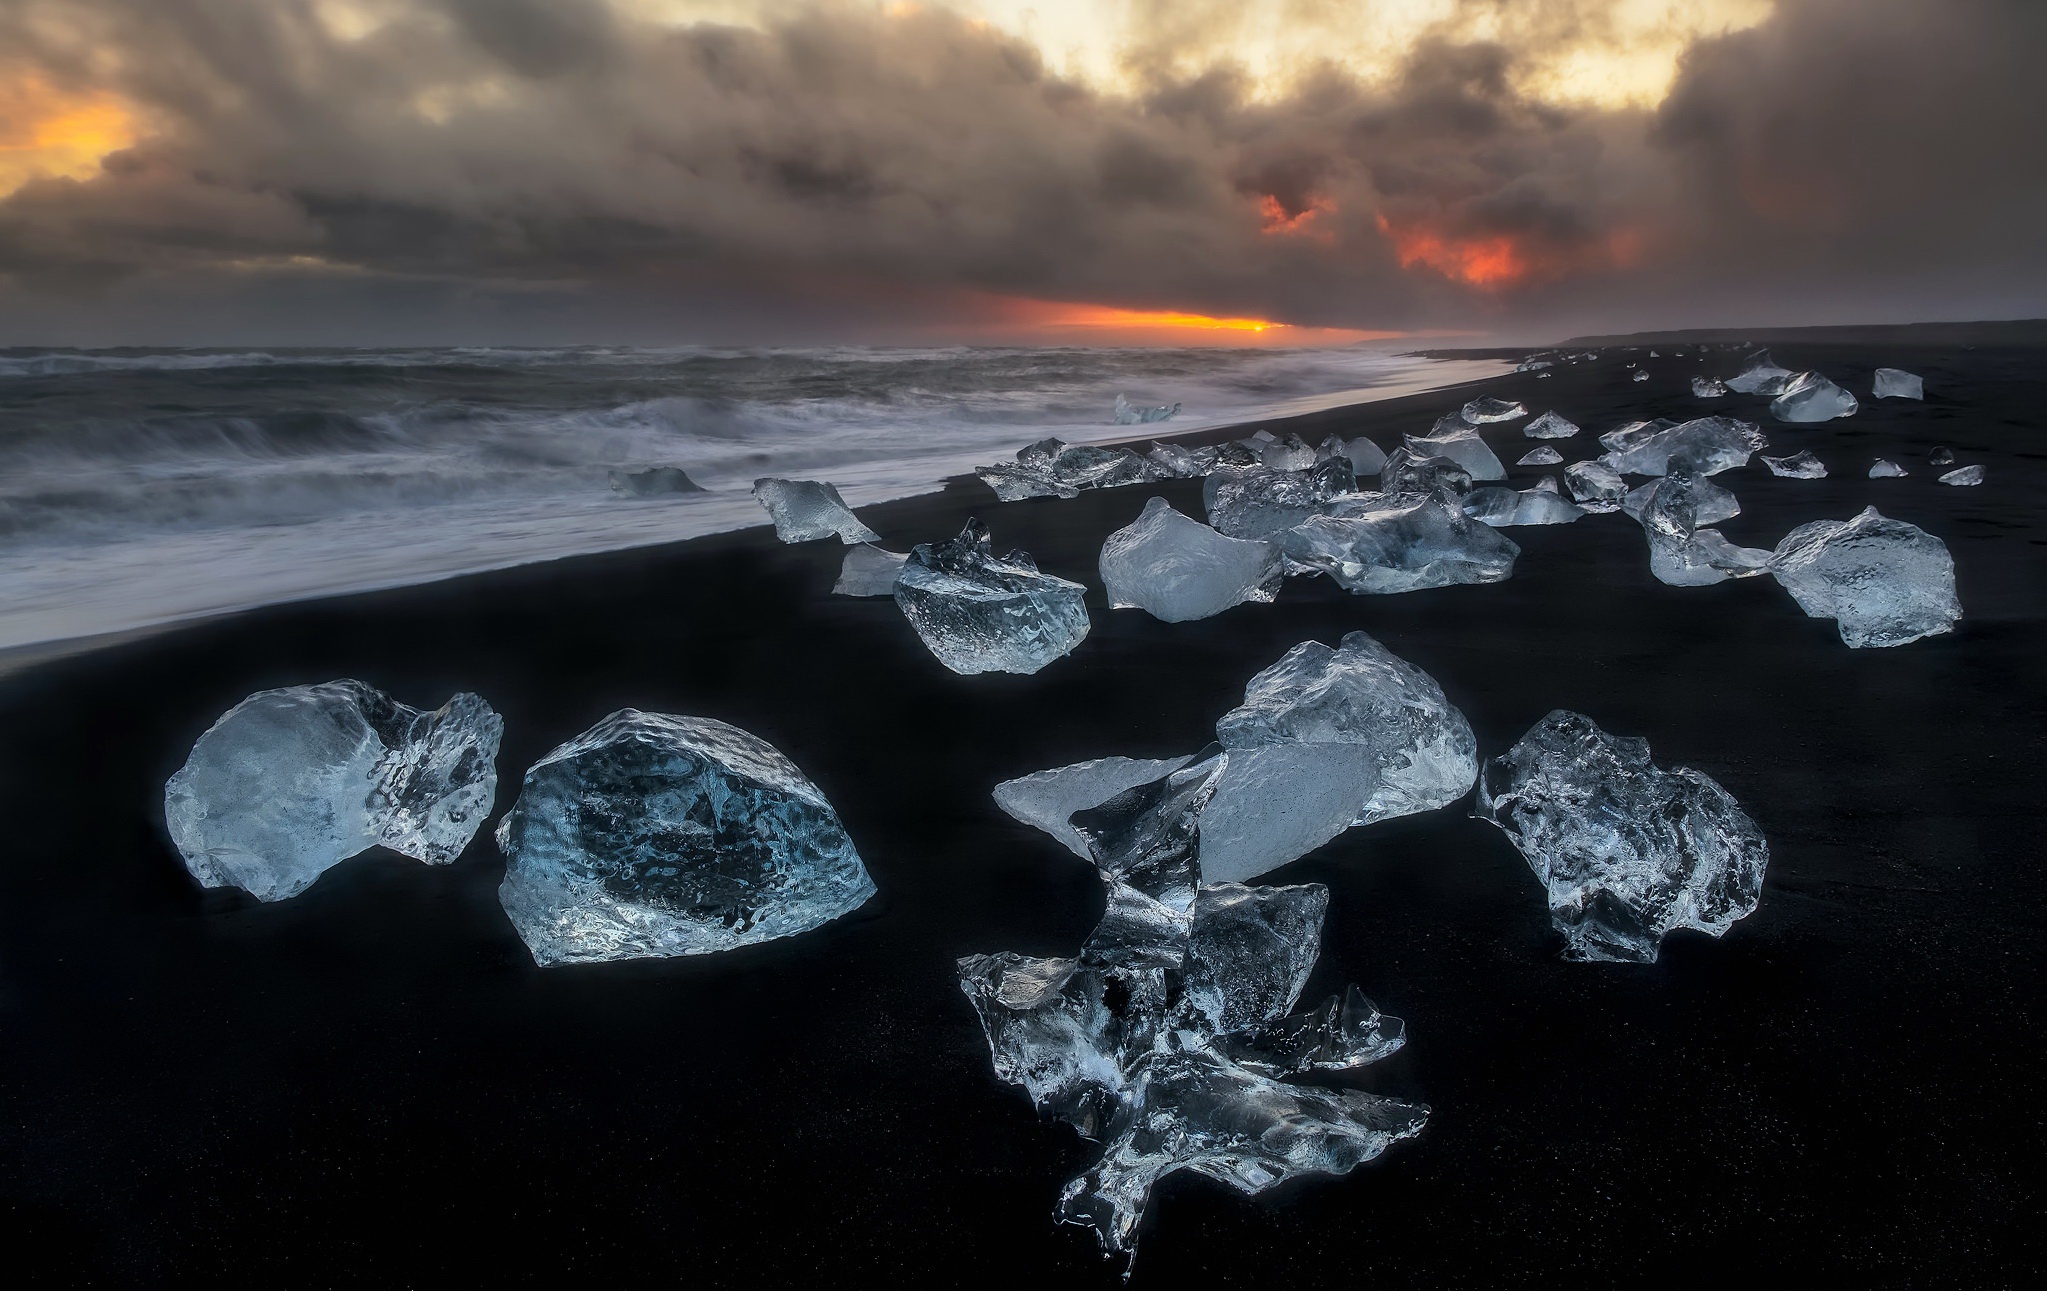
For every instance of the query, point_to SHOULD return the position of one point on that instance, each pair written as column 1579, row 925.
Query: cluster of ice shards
column 1167, row 1037
column 1681, row 553
column 1629, row 852
column 1702, row 446
column 977, row 612
column 1540, row 455
column 1810, row 397
column 1964, row 476
column 1762, row 376
column 1180, row 462
column 1409, row 471
column 1486, row 409
column 1260, row 503
column 1639, row 376
column 1550, row 426
column 1177, row 569
column 291, row 782
column 1896, row 383
column 1708, row 387
column 1502, row 507
column 807, row 510
column 653, row 835
column 869, row 571
column 1885, row 582
column 653, row 482
column 1055, row 468
column 1399, row 542
column 1595, row 487
column 1708, row 502
column 1014, row 483
column 1801, row 465
column 1883, row 468
column 1463, row 447
column 1135, row 414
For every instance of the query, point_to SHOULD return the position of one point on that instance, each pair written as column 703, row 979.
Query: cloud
column 877, row 169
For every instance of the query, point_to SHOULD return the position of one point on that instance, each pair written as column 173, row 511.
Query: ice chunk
column 980, row 613
column 1941, row 457
column 1132, row 414
column 652, row 834
column 1681, row 553
column 1534, row 364
column 806, row 510
column 1333, row 472
column 1639, row 376
column 1101, row 466
column 1238, row 456
column 1885, row 469
column 1596, row 487
column 1762, row 376
column 1386, row 543
column 1177, row 569
column 1487, row 409
column 1965, row 475
column 1259, row 503
column 1288, row 454
column 1811, row 397
column 1896, row 383
column 1550, row 426
column 1015, row 483
column 1801, row 465
column 1342, row 1033
column 1702, row 446
column 1366, row 457
column 1540, row 455
column 1462, row 447
column 1622, row 438
column 1628, row 851
column 1179, row 461
column 1885, row 581
column 1503, row 507
column 1708, row 387
column 1407, row 471
column 1707, row 502
column 868, row 571
column 1326, row 739
column 289, row 783
column 1047, row 800
column 653, row 482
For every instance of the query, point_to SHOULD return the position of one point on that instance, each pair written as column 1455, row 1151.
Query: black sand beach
column 371, row 1084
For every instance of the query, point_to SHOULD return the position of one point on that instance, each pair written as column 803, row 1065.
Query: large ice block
column 869, row 571
column 1761, row 376
column 1288, row 453
column 1259, row 503
column 291, row 782
column 1177, row 569
column 1884, row 581
column 1801, row 465
column 1399, row 542
column 806, row 510
column 1462, row 447
column 1703, row 446
column 1896, row 383
column 652, row 834
column 1136, row 414
column 1628, row 851
column 1048, row 800
column 1101, row 466
column 1810, row 397
column 1486, row 409
column 977, row 612
column 1550, row 426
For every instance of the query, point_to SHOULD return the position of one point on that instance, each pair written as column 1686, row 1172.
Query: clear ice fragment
column 1288, row 454
column 1260, row 503
column 868, row 571
column 1681, row 552
column 1628, row 851
column 1408, row 471
column 1366, row 457
column 1047, row 800
column 1488, row 409
column 1810, row 397
column 1180, row 462
column 1342, row 1033
column 1801, row 465
column 1462, row 447
column 1708, row 387
column 1707, row 502
column 652, row 834
column 1702, row 446
column 1550, row 426
column 1762, row 376
column 1133, row 414
column 289, row 783
column 1540, row 455
column 1594, row 486
column 1399, row 542
column 806, row 510
column 1177, row 569
column 1885, row 469
column 653, row 482
column 977, row 612
column 1015, row 483
column 1884, row 581
column 1896, row 383
column 1964, row 476
column 1101, row 466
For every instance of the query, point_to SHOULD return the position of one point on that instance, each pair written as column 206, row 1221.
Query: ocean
column 145, row 486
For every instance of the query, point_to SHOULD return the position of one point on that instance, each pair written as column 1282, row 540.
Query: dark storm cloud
column 1847, row 155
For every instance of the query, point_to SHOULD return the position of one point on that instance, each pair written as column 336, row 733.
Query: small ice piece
column 1709, row 502
column 1259, row 503
column 1366, row 457
column 289, row 783
column 1884, row 581
column 1941, row 456
column 1810, row 397
column 1628, row 851
column 1047, row 800
column 979, row 613
column 1801, row 465
column 1533, row 365
column 1379, row 544
column 1179, row 461
column 1703, row 446
column 1487, row 409
column 1886, row 469
column 1896, row 383
column 868, row 571
column 1407, row 471
column 1639, row 376
column 1550, row 426
column 1132, row 414
column 653, row 482
column 806, row 510
column 1178, row 570
column 1540, row 455
column 1326, row 739
column 1964, row 476
column 1708, row 388
column 652, row 834
column 1015, row 483
column 1654, row 355
column 1288, row 454
column 1762, row 376
column 1595, row 487
column 1464, row 448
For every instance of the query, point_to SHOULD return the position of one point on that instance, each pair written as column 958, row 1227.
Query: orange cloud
column 48, row 132
column 1493, row 262
column 1282, row 222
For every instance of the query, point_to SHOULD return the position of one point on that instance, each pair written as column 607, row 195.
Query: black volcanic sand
column 371, row 1084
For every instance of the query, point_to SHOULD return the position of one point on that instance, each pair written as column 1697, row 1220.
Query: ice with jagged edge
column 869, row 571
column 653, row 834
column 1595, row 487
column 1896, row 383
column 1503, row 507
column 1047, row 800
column 1810, row 397
column 1167, row 1038
column 1377, row 544
column 1550, row 425
column 1801, row 465
column 1702, row 446
column 1681, row 552
column 1886, row 469
column 1541, row 455
column 1408, row 471
column 653, row 482
column 1288, row 453
column 1261, row 503
column 1139, row 414
column 1762, row 376
column 1463, row 447
column 1628, row 851
column 1179, row 461
column 1963, row 476
column 1885, row 582
column 978, row 612
column 1178, row 570
column 1486, row 409
column 1016, row 482
column 291, row 782
column 1366, row 457
column 1708, row 388
column 1090, row 466
column 1708, row 502
column 807, row 510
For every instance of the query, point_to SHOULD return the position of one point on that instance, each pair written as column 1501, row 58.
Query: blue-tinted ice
column 1896, row 383
column 1399, row 542
column 806, row 510
column 1177, row 569
column 1884, row 582
column 978, row 612
column 1810, row 397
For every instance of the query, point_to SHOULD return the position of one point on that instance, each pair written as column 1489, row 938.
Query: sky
column 378, row 172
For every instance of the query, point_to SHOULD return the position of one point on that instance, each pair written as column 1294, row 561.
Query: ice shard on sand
column 1896, row 383
column 1810, row 397
column 1177, row 569
column 1486, row 409
column 977, row 612
column 1540, row 455
column 1550, row 426
column 1883, row 581
column 868, row 571
column 1375, row 544
column 1801, row 465
column 1963, row 476
column 806, row 510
